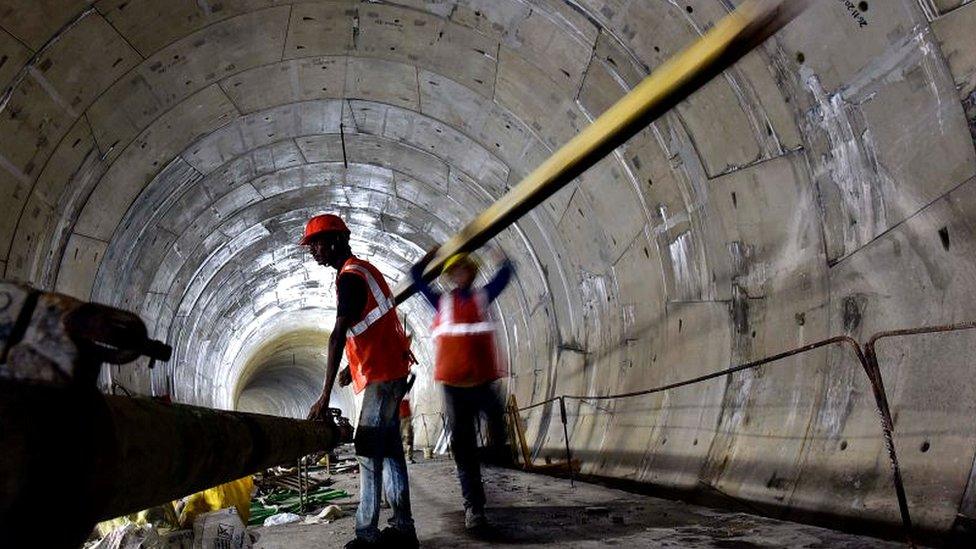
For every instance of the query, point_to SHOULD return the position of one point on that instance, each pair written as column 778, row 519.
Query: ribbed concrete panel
column 321, row 28
column 949, row 5
column 928, row 286
column 733, row 144
column 55, row 90
column 33, row 22
column 955, row 41
column 149, row 26
column 757, row 79
column 14, row 55
column 197, row 116
column 259, row 129
column 410, row 36
column 15, row 193
column 607, row 77
column 375, row 150
column 559, row 53
column 776, row 305
column 842, row 48
column 32, row 112
column 288, row 82
column 30, row 249
column 43, row 214
column 183, row 69
column 383, row 81
column 691, row 414
column 495, row 127
column 536, row 99
column 203, row 58
column 613, row 198
column 53, row 182
column 79, row 264
column 869, row 178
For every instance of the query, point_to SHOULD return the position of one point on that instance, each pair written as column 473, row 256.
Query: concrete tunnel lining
column 358, row 178
column 802, row 194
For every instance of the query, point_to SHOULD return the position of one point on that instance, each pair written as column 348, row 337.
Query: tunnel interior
column 162, row 156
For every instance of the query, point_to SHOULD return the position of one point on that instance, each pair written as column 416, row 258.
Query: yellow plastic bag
column 162, row 517
column 236, row 493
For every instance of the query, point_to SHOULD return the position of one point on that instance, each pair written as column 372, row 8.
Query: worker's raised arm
column 337, row 344
column 501, row 279
column 417, row 273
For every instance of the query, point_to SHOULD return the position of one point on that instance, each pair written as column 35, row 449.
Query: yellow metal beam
column 728, row 41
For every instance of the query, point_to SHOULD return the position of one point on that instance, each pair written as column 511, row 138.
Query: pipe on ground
column 71, row 457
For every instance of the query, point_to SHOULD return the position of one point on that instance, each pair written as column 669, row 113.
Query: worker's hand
column 498, row 255
column 345, row 377
column 320, row 410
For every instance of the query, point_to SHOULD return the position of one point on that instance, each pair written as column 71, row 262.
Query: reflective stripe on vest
column 446, row 325
column 383, row 303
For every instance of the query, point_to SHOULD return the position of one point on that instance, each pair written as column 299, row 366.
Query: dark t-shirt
column 352, row 296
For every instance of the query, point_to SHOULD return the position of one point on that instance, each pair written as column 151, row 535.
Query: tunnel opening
column 283, row 376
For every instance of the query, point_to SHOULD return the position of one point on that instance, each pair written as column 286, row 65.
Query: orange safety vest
column 376, row 347
column 464, row 338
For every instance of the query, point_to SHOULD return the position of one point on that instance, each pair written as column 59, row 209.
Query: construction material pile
column 295, row 491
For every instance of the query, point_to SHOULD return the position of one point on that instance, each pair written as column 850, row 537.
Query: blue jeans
column 464, row 408
column 381, row 462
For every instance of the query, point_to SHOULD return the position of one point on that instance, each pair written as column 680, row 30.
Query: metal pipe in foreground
column 71, row 457
column 727, row 42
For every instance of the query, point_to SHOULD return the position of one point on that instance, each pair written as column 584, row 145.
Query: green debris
column 287, row 501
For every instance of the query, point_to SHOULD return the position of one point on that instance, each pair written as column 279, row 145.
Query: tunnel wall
column 162, row 157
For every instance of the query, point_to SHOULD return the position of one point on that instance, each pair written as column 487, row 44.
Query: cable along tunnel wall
column 867, row 359
column 823, row 185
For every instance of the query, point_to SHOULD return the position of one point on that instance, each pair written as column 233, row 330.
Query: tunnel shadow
column 558, row 524
column 707, row 493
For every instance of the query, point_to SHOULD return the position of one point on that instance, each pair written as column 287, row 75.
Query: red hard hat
column 323, row 224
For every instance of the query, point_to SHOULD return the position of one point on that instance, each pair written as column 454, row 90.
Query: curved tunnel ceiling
column 163, row 156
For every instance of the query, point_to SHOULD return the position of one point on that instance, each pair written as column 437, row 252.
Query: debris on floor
column 163, row 517
column 218, row 517
column 222, row 529
column 281, row 519
column 527, row 510
column 288, row 501
column 297, row 490
column 132, row 536
column 327, row 515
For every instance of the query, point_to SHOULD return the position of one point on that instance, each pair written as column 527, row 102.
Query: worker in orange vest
column 368, row 330
column 466, row 363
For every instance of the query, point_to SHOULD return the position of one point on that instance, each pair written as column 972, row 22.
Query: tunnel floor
column 532, row 510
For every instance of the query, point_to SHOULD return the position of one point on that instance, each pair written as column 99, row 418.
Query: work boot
column 391, row 537
column 474, row 519
column 360, row 543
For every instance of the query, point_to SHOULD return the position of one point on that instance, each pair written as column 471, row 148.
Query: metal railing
column 866, row 355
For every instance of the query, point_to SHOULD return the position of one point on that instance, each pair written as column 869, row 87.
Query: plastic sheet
column 282, row 519
column 235, row 494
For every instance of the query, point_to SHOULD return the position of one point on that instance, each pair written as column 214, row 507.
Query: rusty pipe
column 72, row 457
